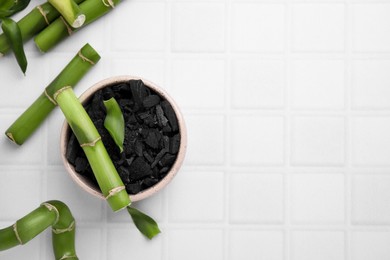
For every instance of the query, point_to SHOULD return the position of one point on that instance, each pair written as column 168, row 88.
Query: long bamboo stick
column 31, row 119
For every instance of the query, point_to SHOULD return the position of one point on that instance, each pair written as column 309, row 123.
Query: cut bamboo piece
column 87, row 135
column 59, row 29
column 30, row 120
column 31, row 24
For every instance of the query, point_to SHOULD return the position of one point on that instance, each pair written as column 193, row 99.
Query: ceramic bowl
column 86, row 183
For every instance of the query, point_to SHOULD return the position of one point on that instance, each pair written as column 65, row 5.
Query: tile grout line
column 287, row 127
column 227, row 122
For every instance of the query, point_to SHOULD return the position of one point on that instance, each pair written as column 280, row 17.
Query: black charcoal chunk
column 124, row 173
column 148, row 157
column 151, row 101
column 71, row 149
column 81, row 164
column 174, row 144
column 149, row 182
column 168, row 159
column 161, row 119
column 139, row 169
column 170, row 114
column 158, row 157
column 153, row 138
column 138, row 91
column 139, row 148
column 133, row 188
column 107, row 93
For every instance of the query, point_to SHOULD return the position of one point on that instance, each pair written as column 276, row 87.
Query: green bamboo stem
column 31, row 24
column 59, row 29
column 51, row 213
column 70, row 11
column 87, row 135
column 31, row 119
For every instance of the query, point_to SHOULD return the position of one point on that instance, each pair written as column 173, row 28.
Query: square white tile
column 199, row 83
column 256, row 198
column 257, row 140
column 205, row 191
column 318, row 27
column 318, row 84
column 253, row 244
column 319, row 245
column 370, row 140
column 206, row 139
column 192, row 244
column 370, row 84
column 370, row 197
column 370, row 245
column 318, row 140
column 198, row 27
column 318, row 198
column 370, row 27
column 144, row 28
column 257, row 27
column 258, row 83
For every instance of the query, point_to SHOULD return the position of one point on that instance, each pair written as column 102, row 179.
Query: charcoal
column 148, row 157
column 139, row 169
column 139, row 148
column 153, row 138
column 151, row 101
column 107, row 93
column 149, row 182
column 161, row 119
column 170, row 114
column 121, row 90
column 81, row 164
column 71, row 150
column 131, row 119
column 167, row 129
column 138, row 91
column 133, row 188
column 130, row 161
column 174, row 144
column 124, row 173
column 164, row 170
column 165, row 143
column 158, row 157
column 167, row 159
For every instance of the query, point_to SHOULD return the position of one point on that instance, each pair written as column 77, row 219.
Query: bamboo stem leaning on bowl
column 30, row 120
column 51, row 213
column 60, row 29
column 87, row 135
column 31, row 24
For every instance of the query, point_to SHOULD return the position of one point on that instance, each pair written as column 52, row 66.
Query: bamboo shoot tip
column 79, row 21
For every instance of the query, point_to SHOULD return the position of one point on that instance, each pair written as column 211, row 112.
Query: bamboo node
column 15, row 227
column 50, row 207
column 63, row 230
column 114, row 191
column 50, row 98
column 93, row 143
column 40, row 9
column 55, row 95
column 85, row 58
column 70, row 31
column 109, row 3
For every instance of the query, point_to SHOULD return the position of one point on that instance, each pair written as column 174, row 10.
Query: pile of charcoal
column 152, row 137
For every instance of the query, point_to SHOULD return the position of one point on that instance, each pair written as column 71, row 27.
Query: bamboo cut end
column 11, row 137
column 80, row 20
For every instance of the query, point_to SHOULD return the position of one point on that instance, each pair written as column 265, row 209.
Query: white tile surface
column 287, row 106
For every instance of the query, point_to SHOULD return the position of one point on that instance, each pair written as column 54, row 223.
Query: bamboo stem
column 59, row 29
column 31, row 24
column 87, row 135
column 30, row 120
column 70, row 11
column 51, row 213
